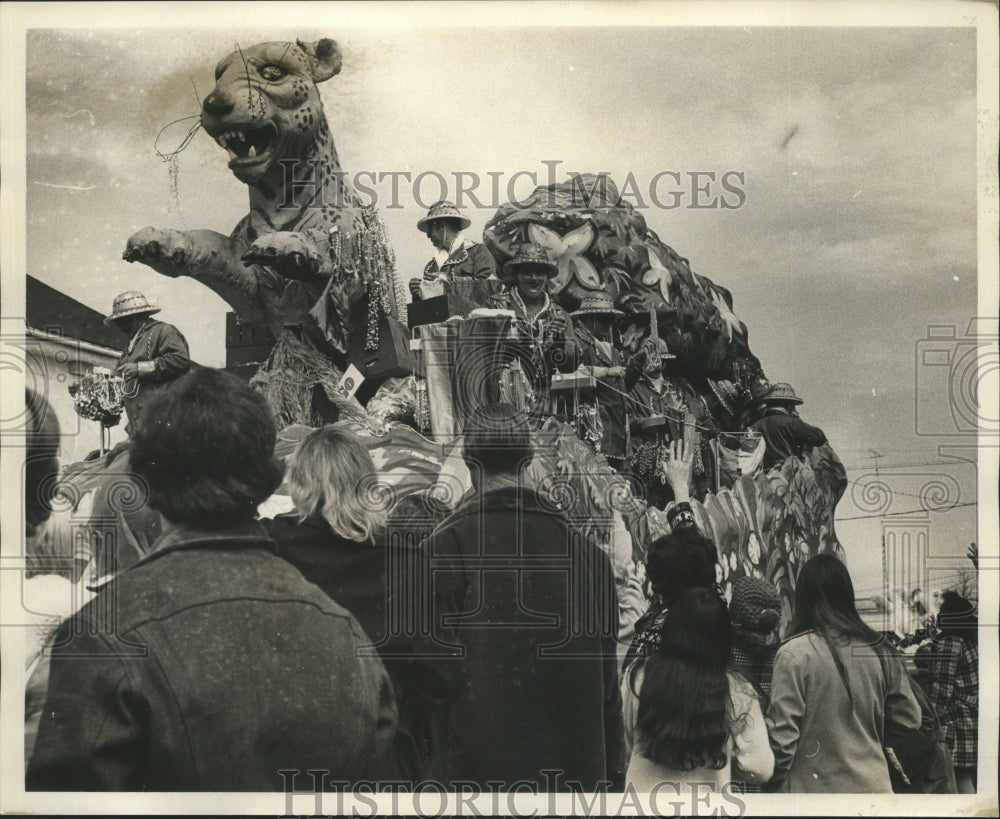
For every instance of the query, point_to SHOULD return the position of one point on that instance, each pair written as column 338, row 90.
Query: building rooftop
column 52, row 311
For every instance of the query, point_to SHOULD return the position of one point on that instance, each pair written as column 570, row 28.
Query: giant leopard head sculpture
column 265, row 107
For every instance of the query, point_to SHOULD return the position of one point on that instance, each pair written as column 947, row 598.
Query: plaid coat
column 954, row 691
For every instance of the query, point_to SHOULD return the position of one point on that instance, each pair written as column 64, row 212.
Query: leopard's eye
column 271, row 73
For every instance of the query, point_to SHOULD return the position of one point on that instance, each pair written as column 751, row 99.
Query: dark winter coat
column 375, row 581
column 162, row 355
column 210, row 665
column 538, row 632
column 785, row 435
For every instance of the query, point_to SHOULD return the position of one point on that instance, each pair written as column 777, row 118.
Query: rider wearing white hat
column 456, row 256
column 157, row 353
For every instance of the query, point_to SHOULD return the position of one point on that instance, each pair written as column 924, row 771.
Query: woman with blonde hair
column 337, row 537
column 333, row 477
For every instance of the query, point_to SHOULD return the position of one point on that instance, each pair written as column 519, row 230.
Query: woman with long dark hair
column 830, row 692
column 686, row 716
column 680, row 559
column 954, row 684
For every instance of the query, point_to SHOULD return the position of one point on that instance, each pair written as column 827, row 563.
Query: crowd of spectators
column 484, row 650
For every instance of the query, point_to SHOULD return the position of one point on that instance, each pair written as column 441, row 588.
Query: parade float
column 315, row 268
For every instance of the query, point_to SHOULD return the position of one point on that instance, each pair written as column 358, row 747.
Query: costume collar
column 521, row 497
column 456, row 254
column 181, row 536
column 649, row 382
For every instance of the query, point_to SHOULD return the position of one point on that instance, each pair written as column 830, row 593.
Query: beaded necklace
column 365, row 252
column 530, row 320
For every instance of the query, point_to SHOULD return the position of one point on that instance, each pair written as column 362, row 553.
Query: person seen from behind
column 830, row 692
column 210, row 664
column 682, row 558
column 337, row 538
column 538, row 626
column 687, row 717
column 785, row 434
column 755, row 614
column 953, row 676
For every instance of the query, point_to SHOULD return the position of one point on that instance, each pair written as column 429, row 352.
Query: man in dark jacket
column 210, row 664
column 537, row 624
column 785, row 434
column 157, row 353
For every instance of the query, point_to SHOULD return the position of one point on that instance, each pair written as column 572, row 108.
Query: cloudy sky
column 856, row 148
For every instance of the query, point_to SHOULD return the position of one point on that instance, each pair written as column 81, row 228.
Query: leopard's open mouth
column 247, row 145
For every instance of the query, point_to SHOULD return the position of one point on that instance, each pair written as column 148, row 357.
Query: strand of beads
column 378, row 264
column 422, row 412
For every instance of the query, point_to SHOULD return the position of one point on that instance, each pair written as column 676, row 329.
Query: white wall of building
column 53, row 363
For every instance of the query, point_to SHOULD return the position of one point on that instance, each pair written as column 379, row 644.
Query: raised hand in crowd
column 677, row 469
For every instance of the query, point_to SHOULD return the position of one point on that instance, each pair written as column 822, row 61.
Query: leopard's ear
column 326, row 58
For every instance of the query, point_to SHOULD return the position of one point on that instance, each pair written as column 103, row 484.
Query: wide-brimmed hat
column 531, row 254
column 781, row 393
column 727, row 394
column 443, row 210
column 596, row 306
column 130, row 303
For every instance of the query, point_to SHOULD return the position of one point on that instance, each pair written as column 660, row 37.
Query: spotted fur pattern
column 275, row 268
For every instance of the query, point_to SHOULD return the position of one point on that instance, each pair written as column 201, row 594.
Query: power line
column 939, row 580
column 904, row 466
column 909, row 512
column 891, row 490
column 922, row 450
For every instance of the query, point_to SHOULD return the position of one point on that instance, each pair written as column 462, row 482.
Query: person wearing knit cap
column 755, row 611
column 755, row 614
